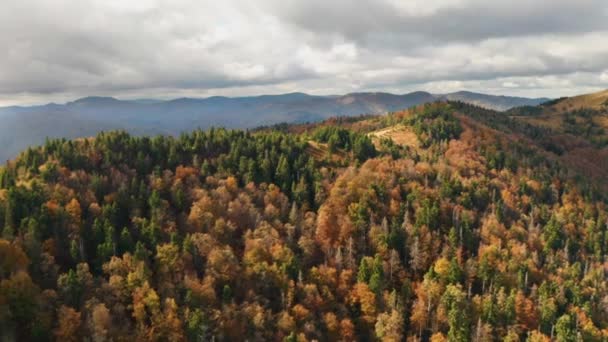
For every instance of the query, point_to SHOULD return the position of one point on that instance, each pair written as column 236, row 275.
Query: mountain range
column 31, row 125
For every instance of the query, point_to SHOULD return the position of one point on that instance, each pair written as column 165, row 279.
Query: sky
column 60, row 50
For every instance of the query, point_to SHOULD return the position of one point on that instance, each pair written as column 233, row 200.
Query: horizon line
column 160, row 100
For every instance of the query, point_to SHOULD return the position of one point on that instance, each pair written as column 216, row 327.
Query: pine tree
column 365, row 271
column 458, row 321
column 283, row 175
column 565, row 329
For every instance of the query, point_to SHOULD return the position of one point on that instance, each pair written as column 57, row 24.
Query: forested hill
column 444, row 222
column 25, row 126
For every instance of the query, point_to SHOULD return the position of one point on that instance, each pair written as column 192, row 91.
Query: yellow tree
column 168, row 326
column 146, row 306
column 389, row 327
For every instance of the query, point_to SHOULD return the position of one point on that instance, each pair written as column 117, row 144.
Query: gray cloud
column 444, row 21
column 61, row 49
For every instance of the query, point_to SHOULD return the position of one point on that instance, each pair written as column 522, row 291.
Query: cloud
column 58, row 49
column 371, row 22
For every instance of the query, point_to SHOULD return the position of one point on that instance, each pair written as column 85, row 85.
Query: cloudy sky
column 58, row 50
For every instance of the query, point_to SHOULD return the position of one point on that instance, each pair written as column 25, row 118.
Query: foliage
column 525, row 111
column 231, row 235
column 434, row 122
column 340, row 138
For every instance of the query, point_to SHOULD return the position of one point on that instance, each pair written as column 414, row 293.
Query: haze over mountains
column 26, row 126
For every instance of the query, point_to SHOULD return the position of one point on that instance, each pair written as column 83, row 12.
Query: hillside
column 552, row 114
column 26, row 126
column 596, row 101
column 574, row 129
column 443, row 222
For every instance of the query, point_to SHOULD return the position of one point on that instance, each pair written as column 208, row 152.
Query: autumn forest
column 445, row 222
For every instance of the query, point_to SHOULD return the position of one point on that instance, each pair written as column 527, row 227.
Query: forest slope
column 574, row 129
column 332, row 231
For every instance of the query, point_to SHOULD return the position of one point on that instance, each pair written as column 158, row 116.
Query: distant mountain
column 25, row 126
column 500, row 103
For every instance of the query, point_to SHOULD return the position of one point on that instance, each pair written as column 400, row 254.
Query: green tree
column 283, row 175
column 454, row 299
column 363, row 148
column 553, row 235
column 565, row 329
column 365, row 271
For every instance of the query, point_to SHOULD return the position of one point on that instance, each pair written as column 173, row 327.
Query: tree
column 19, row 295
column 12, row 259
column 101, row 323
column 525, row 311
column 347, row 330
column 376, row 281
column 168, row 326
column 75, row 213
column 146, row 308
column 222, row 264
column 363, row 148
column 553, row 235
column 365, row 271
column 197, row 325
column 547, row 306
column 394, row 263
column 8, row 229
column 125, row 243
column 362, row 296
column 74, row 284
column 283, row 175
column 565, row 329
column 332, row 325
column 428, row 214
column 266, row 168
column 389, row 327
column 68, row 325
column 455, row 273
column 455, row 302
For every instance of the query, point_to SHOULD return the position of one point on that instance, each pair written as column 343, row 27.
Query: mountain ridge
column 89, row 115
column 438, row 96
